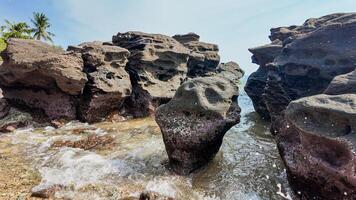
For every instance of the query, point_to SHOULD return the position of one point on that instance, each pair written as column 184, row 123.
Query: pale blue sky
column 235, row 25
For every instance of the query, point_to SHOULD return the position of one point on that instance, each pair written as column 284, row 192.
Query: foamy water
column 247, row 167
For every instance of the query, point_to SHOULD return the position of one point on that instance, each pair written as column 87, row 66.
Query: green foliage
column 21, row 30
column 41, row 24
column 2, row 46
column 15, row 30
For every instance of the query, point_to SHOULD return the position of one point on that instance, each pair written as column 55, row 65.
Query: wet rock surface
column 90, row 142
column 15, row 119
column 195, row 121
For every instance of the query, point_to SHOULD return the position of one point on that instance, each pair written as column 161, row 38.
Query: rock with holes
column 317, row 140
column 157, row 66
column 306, row 57
column 195, row 121
column 108, row 83
column 204, row 57
column 41, row 77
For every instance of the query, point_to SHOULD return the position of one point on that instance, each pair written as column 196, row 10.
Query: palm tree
column 41, row 23
column 15, row 30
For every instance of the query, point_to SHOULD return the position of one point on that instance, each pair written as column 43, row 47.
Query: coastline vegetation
column 38, row 31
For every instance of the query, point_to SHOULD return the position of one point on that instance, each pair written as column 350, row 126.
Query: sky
column 235, row 25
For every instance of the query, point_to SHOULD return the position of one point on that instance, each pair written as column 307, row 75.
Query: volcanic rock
column 43, row 77
column 342, row 84
column 204, row 57
column 108, row 83
column 306, row 57
column 316, row 140
column 195, row 121
column 157, row 66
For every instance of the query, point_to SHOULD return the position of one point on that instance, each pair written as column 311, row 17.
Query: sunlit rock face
column 108, row 83
column 42, row 77
column 306, row 58
column 157, row 66
column 342, row 84
column 128, row 77
column 204, row 57
column 195, row 121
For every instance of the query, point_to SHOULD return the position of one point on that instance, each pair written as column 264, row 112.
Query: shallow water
column 247, row 167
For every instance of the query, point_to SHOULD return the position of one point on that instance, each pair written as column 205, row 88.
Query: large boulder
column 108, row 83
column 32, row 63
column 314, row 131
column 195, row 121
column 40, row 76
column 157, row 66
column 316, row 139
column 306, row 57
column 204, row 57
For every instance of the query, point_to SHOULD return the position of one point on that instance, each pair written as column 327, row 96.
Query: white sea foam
column 163, row 187
column 75, row 167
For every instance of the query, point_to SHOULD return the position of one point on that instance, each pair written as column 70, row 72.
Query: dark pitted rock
column 231, row 71
column 53, row 103
column 316, row 140
column 255, row 87
column 31, row 63
column 264, row 55
column 312, row 55
column 109, row 84
column 4, row 108
column 190, row 37
column 286, row 34
column 157, row 66
column 342, row 84
column 275, row 98
column 195, row 121
column 204, row 57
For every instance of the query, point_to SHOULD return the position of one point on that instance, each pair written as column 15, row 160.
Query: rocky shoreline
column 129, row 77
column 306, row 86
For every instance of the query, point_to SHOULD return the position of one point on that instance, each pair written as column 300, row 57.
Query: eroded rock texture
column 204, row 57
column 306, row 57
column 315, row 132
column 317, row 143
column 128, row 77
column 108, row 83
column 157, row 66
column 195, row 121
